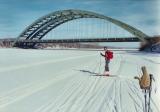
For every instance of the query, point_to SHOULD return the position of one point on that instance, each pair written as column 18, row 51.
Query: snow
column 61, row 81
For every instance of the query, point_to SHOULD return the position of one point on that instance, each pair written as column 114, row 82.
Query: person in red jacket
column 108, row 56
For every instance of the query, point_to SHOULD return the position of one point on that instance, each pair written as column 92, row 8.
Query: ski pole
column 150, row 89
column 145, row 100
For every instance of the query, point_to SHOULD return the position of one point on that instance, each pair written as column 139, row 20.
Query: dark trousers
column 107, row 65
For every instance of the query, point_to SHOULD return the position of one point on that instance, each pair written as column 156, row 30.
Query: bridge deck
column 134, row 39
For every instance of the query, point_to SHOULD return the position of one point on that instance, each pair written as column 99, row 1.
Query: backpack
column 109, row 55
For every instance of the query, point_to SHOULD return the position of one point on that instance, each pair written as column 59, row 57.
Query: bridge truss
column 38, row 29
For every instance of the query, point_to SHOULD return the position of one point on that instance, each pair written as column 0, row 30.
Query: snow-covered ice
column 64, row 81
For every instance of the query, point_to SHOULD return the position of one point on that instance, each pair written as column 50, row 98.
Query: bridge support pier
column 24, row 45
column 153, row 45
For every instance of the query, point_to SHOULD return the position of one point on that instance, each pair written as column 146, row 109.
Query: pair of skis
column 105, row 75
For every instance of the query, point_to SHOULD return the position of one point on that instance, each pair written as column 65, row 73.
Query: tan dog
column 144, row 81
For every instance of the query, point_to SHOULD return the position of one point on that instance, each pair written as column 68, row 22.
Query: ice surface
column 63, row 81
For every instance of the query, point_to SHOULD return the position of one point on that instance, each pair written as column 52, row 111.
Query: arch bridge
column 37, row 30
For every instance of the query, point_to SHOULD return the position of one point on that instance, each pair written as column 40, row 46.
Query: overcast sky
column 16, row 15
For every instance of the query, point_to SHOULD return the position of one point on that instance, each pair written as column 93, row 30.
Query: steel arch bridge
column 38, row 29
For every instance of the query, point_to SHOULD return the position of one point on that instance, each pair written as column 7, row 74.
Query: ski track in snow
column 29, row 89
column 80, row 92
column 26, row 91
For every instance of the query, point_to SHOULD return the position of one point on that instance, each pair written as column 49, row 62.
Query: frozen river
column 64, row 81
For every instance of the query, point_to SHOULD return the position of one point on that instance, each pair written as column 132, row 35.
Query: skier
column 108, row 56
